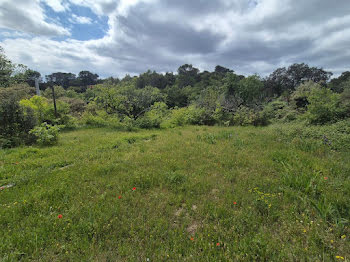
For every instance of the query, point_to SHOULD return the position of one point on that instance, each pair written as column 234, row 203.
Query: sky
column 118, row 37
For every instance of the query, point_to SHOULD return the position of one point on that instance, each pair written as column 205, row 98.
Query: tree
column 151, row 79
column 61, row 79
column 31, row 75
column 6, row 69
column 341, row 83
column 249, row 90
column 87, row 78
column 187, row 75
column 286, row 80
column 222, row 70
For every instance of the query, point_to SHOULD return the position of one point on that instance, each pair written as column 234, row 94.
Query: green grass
column 292, row 197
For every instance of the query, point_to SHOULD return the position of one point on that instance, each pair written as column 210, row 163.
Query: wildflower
column 119, row 197
column 343, row 236
column 217, row 244
column 60, row 216
column 332, row 241
column 134, row 188
column 192, row 238
column 235, row 203
column 304, row 231
column 325, row 178
column 339, row 257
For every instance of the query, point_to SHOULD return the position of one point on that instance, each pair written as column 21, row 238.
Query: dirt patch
column 192, row 228
column 179, row 212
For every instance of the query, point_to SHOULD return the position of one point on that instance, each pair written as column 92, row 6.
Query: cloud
column 57, row 5
column 80, row 19
column 248, row 36
column 27, row 17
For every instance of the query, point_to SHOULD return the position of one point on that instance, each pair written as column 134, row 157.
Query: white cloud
column 57, row 5
column 80, row 19
column 28, row 17
column 254, row 36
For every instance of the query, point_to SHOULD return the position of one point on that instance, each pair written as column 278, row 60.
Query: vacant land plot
column 189, row 194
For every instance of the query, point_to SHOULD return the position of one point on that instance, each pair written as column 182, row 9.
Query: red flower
column 217, row 244
column 134, row 188
column 235, row 203
column 60, row 216
column 119, row 197
column 192, row 238
column 325, row 178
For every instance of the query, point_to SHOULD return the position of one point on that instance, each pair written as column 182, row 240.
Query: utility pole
column 37, row 86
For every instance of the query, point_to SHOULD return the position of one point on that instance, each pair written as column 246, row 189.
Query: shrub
column 45, row 134
column 186, row 116
column 244, row 116
column 101, row 119
column 15, row 123
column 154, row 117
column 45, row 112
column 19, row 91
column 300, row 97
column 76, row 105
column 325, row 106
column 39, row 105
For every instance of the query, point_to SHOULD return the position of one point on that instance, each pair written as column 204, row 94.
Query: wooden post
column 54, row 100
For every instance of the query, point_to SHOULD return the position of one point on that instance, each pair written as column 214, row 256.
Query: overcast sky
column 112, row 37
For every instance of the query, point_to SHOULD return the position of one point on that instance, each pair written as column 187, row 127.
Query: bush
column 45, row 112
column 190, row 115
column 336, row 136
column 154, row 117
column 76, row 105
column 279, row 111
column 101, row 119
column 45, row 134
column 15, row 123
column 39, row 105
column 324, row 106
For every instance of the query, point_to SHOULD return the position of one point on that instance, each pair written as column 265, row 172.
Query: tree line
column 153, row 100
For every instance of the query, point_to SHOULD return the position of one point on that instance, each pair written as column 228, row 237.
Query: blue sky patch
column 79, row 31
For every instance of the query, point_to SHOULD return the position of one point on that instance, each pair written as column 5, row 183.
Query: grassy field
column 184, row 194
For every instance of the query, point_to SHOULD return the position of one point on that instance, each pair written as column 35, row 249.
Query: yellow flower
column 332, row 241
column 339, row 257
column 304, row 230
column 343, row 236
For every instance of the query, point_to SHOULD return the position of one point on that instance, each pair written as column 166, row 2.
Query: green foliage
column 324, row 106
column 335, row 136
column 6, row 69
column 45, row 134
column 44, row 110
column 279, row 111
column 100, row 119
column 126, row 100
column 59, row 92
column 19, row 91
column 39, row 105
column 185, row 116
column 249, row 89
column 15, row 123
column 154, row 117
column 300, row 97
